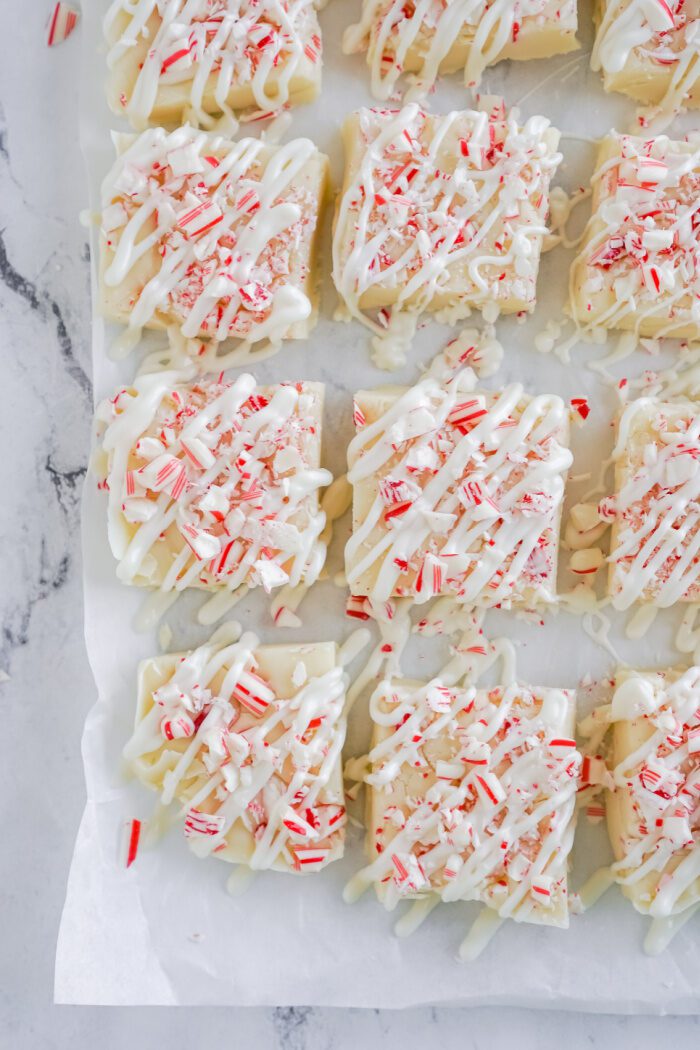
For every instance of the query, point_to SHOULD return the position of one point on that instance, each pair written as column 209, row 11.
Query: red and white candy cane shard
column 132, row 838
column 206, row 824
column 253, row 692
column 358, row 608
column 179, row 728
column 63, row 21
column 310, row 858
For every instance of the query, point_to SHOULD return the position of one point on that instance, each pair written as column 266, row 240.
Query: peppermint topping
column 659, row 773
column 211, row 52
column 214, row 484
column 211, row 235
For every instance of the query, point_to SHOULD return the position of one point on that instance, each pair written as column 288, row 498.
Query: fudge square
column 639, row 267
column 655, row 510
column 442, row 211
column 443, row 37
column 212, row 237
column 457, row 493
column 654, row 812
column 472, row 796
column 213, row 484
column 648, row 50
column 210, row 57
column 247, row 738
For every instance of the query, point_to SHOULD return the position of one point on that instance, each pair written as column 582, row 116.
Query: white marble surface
column 44, row 363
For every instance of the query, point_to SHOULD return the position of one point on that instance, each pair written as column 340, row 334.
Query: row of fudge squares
column 219, row 239
column 457, row 491
column 471, row 793
column 210, row 57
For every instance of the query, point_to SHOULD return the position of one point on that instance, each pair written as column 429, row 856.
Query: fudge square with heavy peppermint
column 213, row 484
column 442, row 211
column 457, row 492
column 638, row 267
column 472, row 796
column 648, row 49
column 655, row 509
column 654, row 812
column 208, row 57
column 247, row 739
column 214, row 238
column 425, row 39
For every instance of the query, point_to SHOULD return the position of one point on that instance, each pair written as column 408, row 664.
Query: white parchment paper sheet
column 166, row 931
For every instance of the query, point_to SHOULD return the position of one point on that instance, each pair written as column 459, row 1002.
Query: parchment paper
column 165, row 931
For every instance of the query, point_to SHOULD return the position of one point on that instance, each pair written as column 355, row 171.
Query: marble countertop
column 46, row 685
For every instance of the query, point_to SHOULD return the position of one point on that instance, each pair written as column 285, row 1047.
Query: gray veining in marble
column 44, row 325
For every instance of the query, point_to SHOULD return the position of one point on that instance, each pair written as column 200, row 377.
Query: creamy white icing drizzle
column 441, row 210
column 660, row 845
column 467, row 493
column 244, row 762
column 214, row 484
column 660, row 36
column 209, row 49
column 212, row 236
column 642, row 250
column 493, row 820
column 655, row 548
column 423, row 35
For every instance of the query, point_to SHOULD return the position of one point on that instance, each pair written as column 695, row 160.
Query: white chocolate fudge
column 648, row 49
column 247, row 738
column 472, row 796
column 639, row 264
column 214, row 238
column 442, row 36
column 654, row 812
column 213, row 484
column 655, row 510
column 441, row 211
column 204, row 57
column 457, row 492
